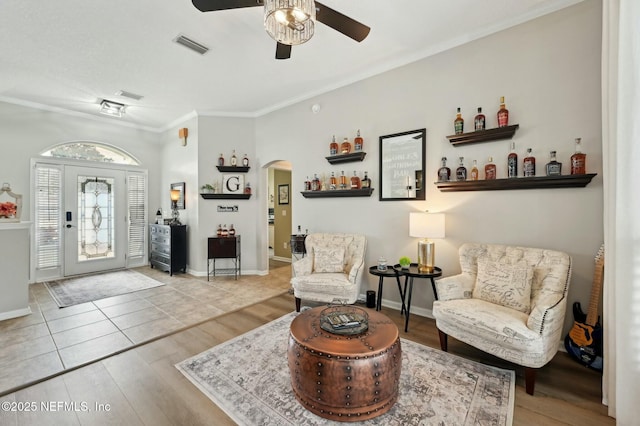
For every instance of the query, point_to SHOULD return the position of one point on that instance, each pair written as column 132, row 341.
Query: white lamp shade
column 426, row 225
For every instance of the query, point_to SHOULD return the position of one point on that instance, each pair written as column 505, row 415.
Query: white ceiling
column 70, row 54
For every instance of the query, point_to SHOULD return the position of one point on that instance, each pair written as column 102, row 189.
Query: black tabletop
column 389, row 272
column 413, row 271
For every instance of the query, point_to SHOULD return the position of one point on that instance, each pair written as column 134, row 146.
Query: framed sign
column 232, row 183
column 283, row 194
column 402, row 165
column 180, row 187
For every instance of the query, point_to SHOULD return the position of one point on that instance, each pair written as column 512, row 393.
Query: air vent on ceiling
column 190, row 44
column 129, row 95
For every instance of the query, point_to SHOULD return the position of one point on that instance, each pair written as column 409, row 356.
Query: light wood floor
column 142, row 387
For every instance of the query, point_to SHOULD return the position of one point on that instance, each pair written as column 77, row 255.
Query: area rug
column 248, row 378
column 73, row 291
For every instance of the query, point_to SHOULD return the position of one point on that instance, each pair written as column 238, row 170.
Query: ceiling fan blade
column 341, row 23
column 283, row 51
column 212, row 5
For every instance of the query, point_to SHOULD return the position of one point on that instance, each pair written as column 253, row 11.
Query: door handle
column 69, row 226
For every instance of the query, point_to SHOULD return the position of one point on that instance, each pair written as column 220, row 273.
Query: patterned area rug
column 248, row 378
column 73, row 291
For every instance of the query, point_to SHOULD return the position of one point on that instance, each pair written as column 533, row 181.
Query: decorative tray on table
column 344, row 320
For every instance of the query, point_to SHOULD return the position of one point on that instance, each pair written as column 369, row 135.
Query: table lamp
column 426, row 225
column 175, row 215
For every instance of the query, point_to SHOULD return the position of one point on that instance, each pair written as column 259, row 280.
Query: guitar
column 584, row 341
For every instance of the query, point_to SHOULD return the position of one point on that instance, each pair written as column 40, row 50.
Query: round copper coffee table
column 344, row 377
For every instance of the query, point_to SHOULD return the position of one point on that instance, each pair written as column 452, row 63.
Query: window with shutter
column 48, row 215
column 136, row 206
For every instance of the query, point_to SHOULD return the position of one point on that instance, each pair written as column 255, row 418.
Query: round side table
column 390, row 272
column 411, row 273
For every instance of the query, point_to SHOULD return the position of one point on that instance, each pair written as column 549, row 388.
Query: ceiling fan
column 292, row 22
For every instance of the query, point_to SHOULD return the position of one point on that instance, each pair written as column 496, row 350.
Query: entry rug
column 248, row 378
column 73, row 291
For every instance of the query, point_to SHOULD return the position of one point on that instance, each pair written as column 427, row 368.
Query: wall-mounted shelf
column 233, row 169
column 338, row 193
column 537, row 182
column 226, row 196
column 346, row 158
column 487, row 135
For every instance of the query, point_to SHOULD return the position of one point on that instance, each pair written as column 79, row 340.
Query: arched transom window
column 91, row 151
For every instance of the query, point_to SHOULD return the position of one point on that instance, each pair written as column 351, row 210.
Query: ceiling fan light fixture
column 290, row 22
column 111, row 108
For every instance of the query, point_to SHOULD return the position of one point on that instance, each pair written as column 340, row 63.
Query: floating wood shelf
column 487, row 135
column 233, row 169
column 338, row 193
column 537, row 182
column 346, row 158
column 226, row 196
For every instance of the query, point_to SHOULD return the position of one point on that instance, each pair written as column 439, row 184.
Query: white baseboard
column 15, row 313
column 281, row 259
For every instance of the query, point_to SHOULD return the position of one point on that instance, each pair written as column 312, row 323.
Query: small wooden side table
column 411, row 273
column 387, row 273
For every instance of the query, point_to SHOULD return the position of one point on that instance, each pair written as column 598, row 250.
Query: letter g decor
column 232, row 184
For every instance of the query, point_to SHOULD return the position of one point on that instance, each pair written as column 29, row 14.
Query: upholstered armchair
column 332, row 269
column 508, row 301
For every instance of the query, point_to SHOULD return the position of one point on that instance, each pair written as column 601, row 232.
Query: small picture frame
column 283, row 194
column 180, row 187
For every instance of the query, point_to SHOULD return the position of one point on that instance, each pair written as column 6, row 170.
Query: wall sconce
column 182, row 134
column 426, row 225
column 175, row 215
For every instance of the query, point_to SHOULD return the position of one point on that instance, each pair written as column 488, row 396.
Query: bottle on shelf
column 307, row 184
column 343, row 180
column 315, row 183
column 554, row 168
column 480, row 120
column 247, row 188
column 358, row 142
column 458, row 123
column 219, row 231
column 461, row 171
column 333, row 181
column 503, row 114
column 490, row 170
column 474, row 171
column 299, row 230
column 232, row 231
column 221, row 160
column 333, row 146
column 578, row 160
column 234, row 159
column 225, row 231
column 444, row 173
column 355, row 181
column 512, row 162
column 529, row 164
column 366, row 182
column 345, row 146
column 245, row 161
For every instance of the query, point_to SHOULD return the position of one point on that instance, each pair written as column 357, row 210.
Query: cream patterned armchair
column 332, row 269
column 508, row 301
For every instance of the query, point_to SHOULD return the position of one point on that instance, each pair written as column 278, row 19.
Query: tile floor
column 51, row 340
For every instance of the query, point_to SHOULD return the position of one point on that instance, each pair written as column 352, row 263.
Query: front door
column 95, row 226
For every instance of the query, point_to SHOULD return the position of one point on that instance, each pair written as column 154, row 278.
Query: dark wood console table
column 223, row 248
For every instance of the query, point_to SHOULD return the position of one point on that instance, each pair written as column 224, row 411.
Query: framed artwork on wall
column 283, row 194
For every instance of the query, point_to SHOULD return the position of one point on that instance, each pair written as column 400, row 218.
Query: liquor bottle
column 503, row 114
column 232, row 231
column 444, row 173
column 345, row 146
column 554, row 168
column 245, row 161
column 333, row 146
column 366, row 182
column 490, row 170
column 512, row 162
column 355, row 181
column 461, row 171
column 307, row 184
column 221, row 160
column 480, row 120
column 578, row 160
column 474, row 171
column 529, row 164
column 458, row 123
column 343, row 180
column 299, row 230
column 219, row 231
column 358, row 142
column 234, row 159
column 247, row 188
column 225, row 232
column 315, row 183
column 333, row 182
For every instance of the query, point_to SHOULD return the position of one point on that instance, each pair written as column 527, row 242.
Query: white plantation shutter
column 137, row 211
column 48, row 215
